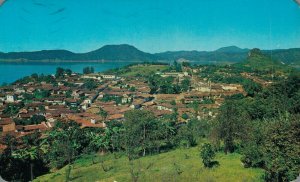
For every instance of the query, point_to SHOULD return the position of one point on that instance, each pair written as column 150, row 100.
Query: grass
column 178, row 165
column 144, row 69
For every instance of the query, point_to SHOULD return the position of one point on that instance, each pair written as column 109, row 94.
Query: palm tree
column 30, row 154
column 99, row 141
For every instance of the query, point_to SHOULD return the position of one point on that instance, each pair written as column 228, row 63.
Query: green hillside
column 288, row 56
column 257, row 60
column 178, row 165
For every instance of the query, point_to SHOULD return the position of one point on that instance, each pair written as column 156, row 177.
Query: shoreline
column 68, row 61
column 108, row 61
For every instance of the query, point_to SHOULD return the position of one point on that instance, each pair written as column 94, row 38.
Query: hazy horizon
column 151, row 26
column 99, row 47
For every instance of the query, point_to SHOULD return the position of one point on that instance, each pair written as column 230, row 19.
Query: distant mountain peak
column 231, row 49
column 119, row 46
column 121, row 52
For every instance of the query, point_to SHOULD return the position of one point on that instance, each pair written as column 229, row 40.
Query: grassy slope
column 160, row 168
column 144, row 69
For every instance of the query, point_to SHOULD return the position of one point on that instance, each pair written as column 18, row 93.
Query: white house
column 92, row 76
column 108, row 76
column 93, row 121
column 10, row 98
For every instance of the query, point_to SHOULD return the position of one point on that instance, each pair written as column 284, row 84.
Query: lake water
column 10, row 72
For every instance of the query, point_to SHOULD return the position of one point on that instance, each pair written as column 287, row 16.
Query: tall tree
column 138, row 124
column 231, row 124
column 59, row 72
column 88, row 70
column 185, row 84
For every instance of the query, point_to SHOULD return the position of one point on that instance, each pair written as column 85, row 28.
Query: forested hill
column 225, row 54
column 231, row 54
column 109, row 52
column 262, row 61
column 126, row 52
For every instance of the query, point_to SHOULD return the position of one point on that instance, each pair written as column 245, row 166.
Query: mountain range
column 126, row 52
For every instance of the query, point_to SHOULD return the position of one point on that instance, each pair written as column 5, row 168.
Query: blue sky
column 150, row 25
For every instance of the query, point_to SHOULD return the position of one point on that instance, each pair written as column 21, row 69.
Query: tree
column 88, row 70
column 185, row 138
column 196, row 107
column 132, row 89
column 186, row 64
column 68, row 72
column 185, row 85
column 281, row 149
column 173, row 103
column 185, row 116
column 42, row 108
column 103, row 114
column 35, row 76
column 231, row 124
column 163, row 85
column 138, row 127
column 90, row 84
column 154, row 82
column 67, row 141
column 99, row 141
column 28, row 159
column 37, row 119
column 274, row 146
column 177, row 66
column 251, row 87
column 207, row 154
column 199, row 128
column 116, row 136
column 59, row 72
column 12, row 109
column 27, row 154
column 11, row 168
column 41, row 94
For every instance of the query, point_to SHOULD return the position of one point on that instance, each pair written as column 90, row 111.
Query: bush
column 207, row 154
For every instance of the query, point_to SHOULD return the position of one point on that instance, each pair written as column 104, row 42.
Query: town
column 140, row 109
column 149, row 91
column 48, row 122
column 93, row 99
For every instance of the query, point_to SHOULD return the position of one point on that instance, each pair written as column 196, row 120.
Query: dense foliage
column 207, row 154
column 88, row 70
column 265, row 129
column 168, row 85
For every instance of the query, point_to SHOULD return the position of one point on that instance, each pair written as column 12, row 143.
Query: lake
column 12, row 71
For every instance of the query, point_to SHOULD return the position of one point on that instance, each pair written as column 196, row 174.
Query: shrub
column 207, row 154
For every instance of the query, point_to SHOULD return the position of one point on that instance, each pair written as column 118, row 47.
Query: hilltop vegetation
column 259, row 61
column 288, row 56
column 138, row 70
